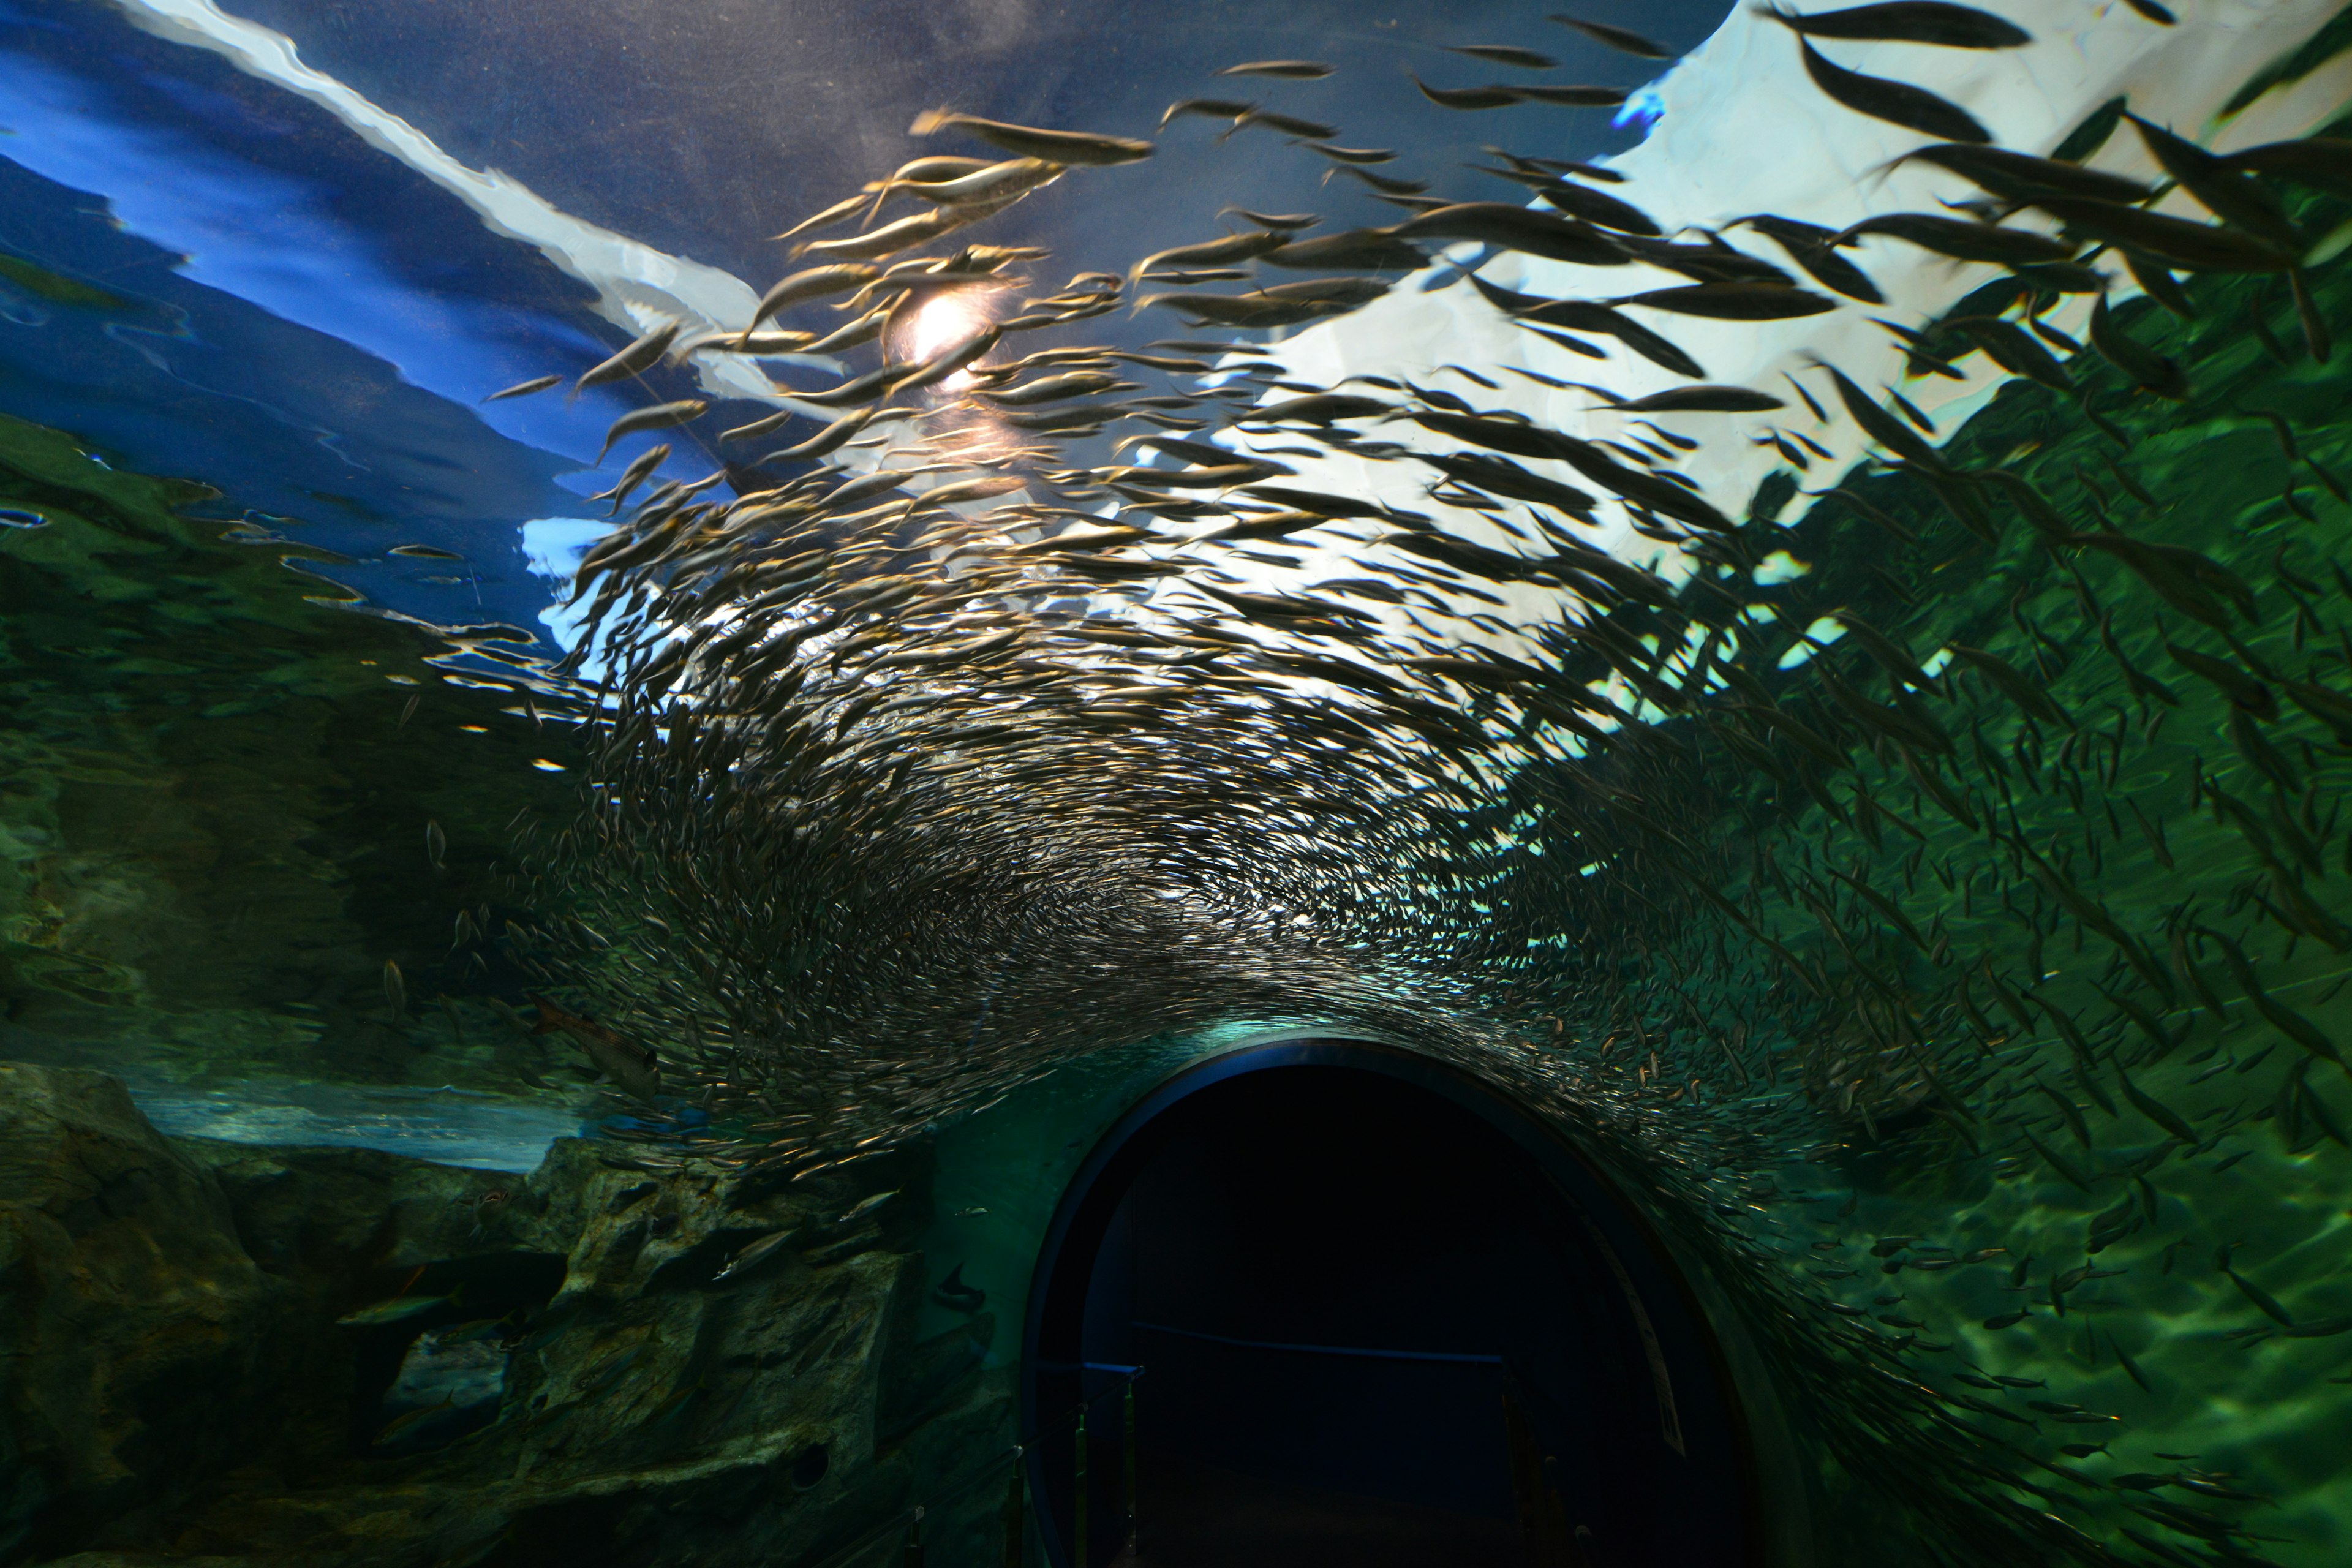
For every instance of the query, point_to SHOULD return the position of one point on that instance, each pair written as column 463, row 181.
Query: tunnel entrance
column 1381, row 1318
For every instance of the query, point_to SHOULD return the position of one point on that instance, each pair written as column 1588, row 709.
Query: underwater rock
column 380, row 1359
column 135, row 1327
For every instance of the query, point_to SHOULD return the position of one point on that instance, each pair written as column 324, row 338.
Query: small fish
column 1624, row 40
column 1911, row 22
column 658, row 416
column 525, row 388
column 641, row 356
column 756, row 1253
column 953, row 1293
column 2266, row 1303
column 2151, row 371
column 1468, row 97
column 1505, row 55
column 847, row 207
column 407, row 1422
column 1289, row 125
column 1207, row 108
column 865, row 1206
column 1289, row 71
column 1732, row 301
column 1050, row 146
column 810, row 284
column 1896, row 102
column 436, row 844
column 609, row 1372
column 1704, row 401
column 638, row 471
column 397, row 1310
column 395, row 991
column 633, row 1068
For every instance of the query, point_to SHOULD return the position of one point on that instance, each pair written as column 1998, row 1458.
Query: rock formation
column 527, row 1369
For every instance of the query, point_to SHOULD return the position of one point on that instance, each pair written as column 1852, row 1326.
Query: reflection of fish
column 632, row 1067
column 953, row 1292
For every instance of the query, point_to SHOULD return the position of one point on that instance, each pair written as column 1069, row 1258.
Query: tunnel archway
column 1384, row 1316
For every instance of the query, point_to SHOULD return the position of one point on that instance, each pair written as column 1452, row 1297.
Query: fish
column 633, row 1068
column 2225, row 191
column 1468, row 98
column 1211, row 252
column 754, row 1253
column 523, row 388
column 955, row 1294
column 1515, row 228
column 1896, row 102
column 1909, row 21
column 1731, row 302
column 437, row 845
column 2150, row 370
column 658, row 416
column 1208, row 108
column 1289, row 124
column 408, row 1422
column 1701, row 398
column 1963, row 239
column 398, row 1310
column 848, row 208
column 1506, row 55
column 1065, row 147
column 395, row 991
column 2177, row 243
column 642, row 354
column 1552, row 720
column 1814, row 247
column 1289, row 71
column 1624, row 40
column 809, row 283
column 641, row 468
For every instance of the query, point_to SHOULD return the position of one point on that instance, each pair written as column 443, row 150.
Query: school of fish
column 1008, row 709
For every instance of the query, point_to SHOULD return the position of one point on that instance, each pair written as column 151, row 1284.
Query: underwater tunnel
column 1323, row 1299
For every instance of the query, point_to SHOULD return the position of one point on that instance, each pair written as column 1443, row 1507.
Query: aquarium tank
column 834, row 782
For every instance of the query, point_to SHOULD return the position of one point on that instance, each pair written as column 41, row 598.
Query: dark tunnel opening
column 1383, row 1318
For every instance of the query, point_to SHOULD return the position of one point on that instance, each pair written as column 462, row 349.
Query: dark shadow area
column 1375, row 1327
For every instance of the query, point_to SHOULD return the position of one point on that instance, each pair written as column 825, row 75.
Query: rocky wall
column 230, row 1353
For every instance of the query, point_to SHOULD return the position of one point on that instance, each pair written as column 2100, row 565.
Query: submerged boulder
column 134, row 1328
column 235, row 1354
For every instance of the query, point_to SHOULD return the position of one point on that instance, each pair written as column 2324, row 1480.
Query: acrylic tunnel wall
column 1321, row 1299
